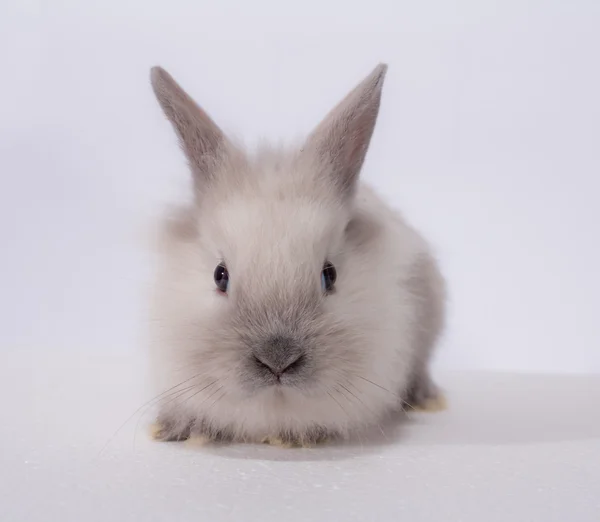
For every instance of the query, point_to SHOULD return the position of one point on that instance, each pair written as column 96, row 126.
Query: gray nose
column 280, row 355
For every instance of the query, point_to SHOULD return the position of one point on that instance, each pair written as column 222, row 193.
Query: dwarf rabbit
column 291, row 303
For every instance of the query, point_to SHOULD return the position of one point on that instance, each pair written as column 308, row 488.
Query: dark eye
column 328, row 277
column 221, row 277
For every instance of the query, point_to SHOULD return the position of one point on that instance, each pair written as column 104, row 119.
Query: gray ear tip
column 158, row 75
column 378, row 74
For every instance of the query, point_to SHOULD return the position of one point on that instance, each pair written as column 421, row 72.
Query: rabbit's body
column 279, row 352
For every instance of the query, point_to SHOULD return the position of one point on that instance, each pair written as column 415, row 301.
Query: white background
column 487, row 140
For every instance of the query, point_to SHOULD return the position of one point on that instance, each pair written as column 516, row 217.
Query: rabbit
column 292, row 305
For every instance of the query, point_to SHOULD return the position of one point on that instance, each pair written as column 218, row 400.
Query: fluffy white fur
column 274, row 218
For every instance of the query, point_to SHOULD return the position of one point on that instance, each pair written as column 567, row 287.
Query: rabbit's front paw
column 194, row 432
column 306, row 439
column 169, row 432
column 424, row 395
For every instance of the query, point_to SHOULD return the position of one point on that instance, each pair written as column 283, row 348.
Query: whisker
column 148, row 403
column 386, row 390
column 191, row 396
column 215, row 402
column 181, row 393
column 199, row 391
column 338, row 403
column 355, row 396
column 173, row 397
column 363, row 403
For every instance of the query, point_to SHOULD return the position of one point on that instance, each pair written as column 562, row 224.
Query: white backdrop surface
column 487, row 140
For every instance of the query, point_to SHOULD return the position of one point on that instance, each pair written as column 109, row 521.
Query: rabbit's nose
column 280, row 355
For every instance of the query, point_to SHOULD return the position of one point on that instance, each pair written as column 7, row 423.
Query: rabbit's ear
column 199, row 136
column 341, row 140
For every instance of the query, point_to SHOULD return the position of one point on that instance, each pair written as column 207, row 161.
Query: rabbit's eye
column 328, row 277
column 221, row 276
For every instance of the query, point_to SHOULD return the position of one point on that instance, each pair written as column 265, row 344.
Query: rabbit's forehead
column 255, row 219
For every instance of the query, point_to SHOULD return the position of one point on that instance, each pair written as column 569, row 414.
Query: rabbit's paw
column 425, row 396
column 276, row 440
column 170, row 432
column 306, row 439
